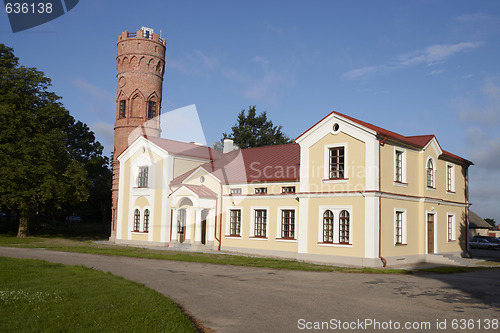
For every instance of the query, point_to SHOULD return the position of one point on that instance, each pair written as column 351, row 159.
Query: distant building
column 346, row 192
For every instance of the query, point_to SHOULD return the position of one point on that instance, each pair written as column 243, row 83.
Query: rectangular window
column 337, row 163
column 260, row 223
column 260, row 190
column 399, row 166
column 288, row 223
column 142, row 179
column 451, row 227
column 151, row 109
column 236, row 191
column 288, row 189
column 235, row 222
column 121, row 113
column 399, row 227
column 450, row 178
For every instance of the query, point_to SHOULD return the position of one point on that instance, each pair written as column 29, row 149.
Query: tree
column 491, row 222
column 44, row 153
column 251, row 131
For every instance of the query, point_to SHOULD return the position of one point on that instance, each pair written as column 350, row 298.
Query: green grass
column 37, row 296
column 66, row 245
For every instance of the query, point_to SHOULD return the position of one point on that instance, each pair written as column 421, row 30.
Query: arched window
column 430, row 173
column 145, row 226
column 328, row 227
column 137, row 219
column 344, row 227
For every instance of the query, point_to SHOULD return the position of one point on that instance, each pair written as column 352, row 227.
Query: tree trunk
column 23, row 223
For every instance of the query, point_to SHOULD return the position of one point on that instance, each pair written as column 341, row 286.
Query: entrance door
column 204, row 214
column 430, row 233
column 181, row 225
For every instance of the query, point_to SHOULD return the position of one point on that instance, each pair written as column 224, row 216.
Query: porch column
column 189, row 225
column 197, row 226
column 210, row 225
column 173, row 230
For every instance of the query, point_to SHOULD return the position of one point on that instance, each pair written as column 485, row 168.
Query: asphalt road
column 242, row 299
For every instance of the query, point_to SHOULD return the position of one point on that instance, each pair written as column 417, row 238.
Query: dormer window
column 142, row 179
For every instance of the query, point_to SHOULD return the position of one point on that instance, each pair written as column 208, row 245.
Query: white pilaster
column 303, row 225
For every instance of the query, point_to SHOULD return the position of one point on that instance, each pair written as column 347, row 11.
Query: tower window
column 151, row 109
column 121, row 113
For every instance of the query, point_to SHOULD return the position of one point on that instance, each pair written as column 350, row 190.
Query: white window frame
column 404, row 229
column 450, row 189
column 143, row 214
column 453, row 227
column 336, row 225
column 278, row 224
column 228, row 222
column 326, row 174
column 252, row 222
column 403, row 166
column 434, row 169
column 235, row 190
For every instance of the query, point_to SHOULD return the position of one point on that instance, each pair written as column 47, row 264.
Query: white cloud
column 480, row 109
column 428, row 56
column 436, row 72
column 94, row 90
column 197, row 63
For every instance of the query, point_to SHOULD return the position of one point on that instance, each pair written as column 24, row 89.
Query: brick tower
column 140, row 64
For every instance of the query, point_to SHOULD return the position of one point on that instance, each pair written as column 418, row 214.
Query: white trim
column 434, row 169
column 326, row 163
column 194, row 171
column 404, row 227
column 403, row 166
column 453, row 227
column 336, row 223
column 371, row 225
column 228, row 222
column 453, row 172
column 427, row 212
column 279, row 209
column 252, row 221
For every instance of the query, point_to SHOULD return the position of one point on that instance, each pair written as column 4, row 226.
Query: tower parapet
column 140, row 66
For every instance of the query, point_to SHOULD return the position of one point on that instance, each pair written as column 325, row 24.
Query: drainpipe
column 384, row 262
column 467, row 250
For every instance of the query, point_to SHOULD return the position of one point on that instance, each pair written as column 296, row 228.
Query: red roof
column 419, row 141
column 186, row 149
column 200, row 190
column 254, row 165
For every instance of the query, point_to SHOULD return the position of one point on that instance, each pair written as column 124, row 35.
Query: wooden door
column 430, row 233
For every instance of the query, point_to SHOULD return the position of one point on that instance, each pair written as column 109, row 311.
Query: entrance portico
column 193, row 216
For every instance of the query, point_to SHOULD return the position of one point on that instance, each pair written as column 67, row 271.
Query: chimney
column 229, row 146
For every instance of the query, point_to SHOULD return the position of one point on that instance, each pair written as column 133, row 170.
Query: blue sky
column 413, row 67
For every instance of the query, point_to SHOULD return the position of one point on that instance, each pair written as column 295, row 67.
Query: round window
column 336, row 127
column 202, row 179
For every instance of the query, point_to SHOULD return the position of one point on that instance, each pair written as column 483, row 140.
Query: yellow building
column 346, row 192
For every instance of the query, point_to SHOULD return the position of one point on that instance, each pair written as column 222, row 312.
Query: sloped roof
column 419, row 141
column 200, row 190
column 254, row 165
column 186, row 149
column 476, row 222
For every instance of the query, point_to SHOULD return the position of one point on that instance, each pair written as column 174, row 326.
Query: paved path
column 242, row 299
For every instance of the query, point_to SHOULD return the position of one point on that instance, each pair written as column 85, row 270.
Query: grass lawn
column 37, row 296
column 67, row 245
